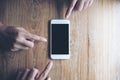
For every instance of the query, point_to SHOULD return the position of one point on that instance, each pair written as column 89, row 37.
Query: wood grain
column 94, row 40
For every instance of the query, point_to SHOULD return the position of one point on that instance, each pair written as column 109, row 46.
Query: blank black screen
column 60, row 38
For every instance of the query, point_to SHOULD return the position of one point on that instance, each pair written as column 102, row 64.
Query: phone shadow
column 49, row 39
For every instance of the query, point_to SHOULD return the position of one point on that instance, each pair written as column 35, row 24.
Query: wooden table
column 95, row 40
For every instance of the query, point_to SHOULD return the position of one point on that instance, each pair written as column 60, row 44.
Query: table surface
column 94, row 39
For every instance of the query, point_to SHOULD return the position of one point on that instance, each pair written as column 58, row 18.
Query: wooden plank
column 93, row 37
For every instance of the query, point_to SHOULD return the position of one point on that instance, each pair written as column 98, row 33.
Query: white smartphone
column 59, row 39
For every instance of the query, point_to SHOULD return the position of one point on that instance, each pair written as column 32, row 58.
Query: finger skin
column 34, row 37
column 33, row 74
column 28, row 43
column 27, row 39
column 25, row 42
column 45, row 72
column 25, row 74
column 14, row 49
column 37, row 38
column 79, row 5
column 30, row 36
column 48, row 78
column 70, row 8
column 21, row 29
column 37, row 76
column 43, row 39
column 20, row 46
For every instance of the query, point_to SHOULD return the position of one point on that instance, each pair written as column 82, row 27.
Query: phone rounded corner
column 52, row 57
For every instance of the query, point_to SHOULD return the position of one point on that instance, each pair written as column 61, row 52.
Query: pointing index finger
column 71, row 7
column 39, row 38
column 35, row 37
column 44, row 74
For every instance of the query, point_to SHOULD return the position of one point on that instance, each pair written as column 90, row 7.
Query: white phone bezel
column 59, row 56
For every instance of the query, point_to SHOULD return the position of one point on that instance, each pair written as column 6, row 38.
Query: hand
column 79, row 5
column 34, row 74
column 25, row 40
column 16, row 38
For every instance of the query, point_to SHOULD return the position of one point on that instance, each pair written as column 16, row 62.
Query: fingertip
column 80, row 8
column 31, row 45
column 50, row 63
column 48, row 78
column 33, row 74
column 35, row 70
column 79, row 5
column 70, row 8
column 67, row 15
column 38, row 38
column 15, row 49
column 42, row 39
